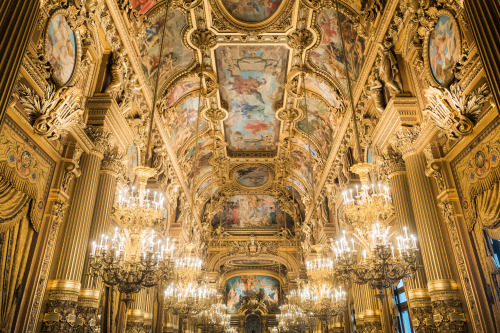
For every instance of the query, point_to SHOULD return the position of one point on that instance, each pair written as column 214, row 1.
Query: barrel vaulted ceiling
column 253, row 131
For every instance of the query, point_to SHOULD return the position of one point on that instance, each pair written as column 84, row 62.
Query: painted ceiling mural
column 267, row 287
column 317, row 123
column 184, row 122
column 251, row 80
column 249, row 211
column 251, row 10
column 176, row 56
column 250, row 77
column 329, row 54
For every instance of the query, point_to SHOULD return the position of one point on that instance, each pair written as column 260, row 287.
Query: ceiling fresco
column 329, row 56
column 251, row 80
column 177, row 55
column 252, row 10
column 249, row 211
column 239, row 159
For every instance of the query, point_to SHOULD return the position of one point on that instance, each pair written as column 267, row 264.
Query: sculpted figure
column 388, row 69
column 116, row 73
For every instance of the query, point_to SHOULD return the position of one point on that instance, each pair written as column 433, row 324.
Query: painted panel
column 444, row 49
column 252, row 176
column 251, row 79
column 181, row 88
column 329, row 54
column 319, row 123
column 251, row 11
column 184, row 123
column 476, row 167
column 302, row 165
column 60, row 49
column 202, row 165
column 175, row 55
column 248, row 211
column 28, row 164
column 267, row 287
column 323, row 89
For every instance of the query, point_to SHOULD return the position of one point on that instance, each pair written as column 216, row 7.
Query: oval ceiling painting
column 60, row 49
column 444, row 49
column 251, row 11
column 252, row 176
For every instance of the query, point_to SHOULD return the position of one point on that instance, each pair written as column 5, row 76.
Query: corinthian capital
column 392, row 162
column 101, row 137
column 112, row 162
column 403, row 141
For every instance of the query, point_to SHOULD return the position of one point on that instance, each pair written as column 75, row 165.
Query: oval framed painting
column 443, row 47
column 252, row 14
column 62, row 49
column 252, row 176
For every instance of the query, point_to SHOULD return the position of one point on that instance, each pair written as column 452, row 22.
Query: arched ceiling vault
column 250, row 130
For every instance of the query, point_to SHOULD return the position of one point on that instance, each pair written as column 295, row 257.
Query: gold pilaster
column 65, row 288
column 446, row 305
column 17, row 21
column 484, row 18
column 88, row 300
column 419, row 300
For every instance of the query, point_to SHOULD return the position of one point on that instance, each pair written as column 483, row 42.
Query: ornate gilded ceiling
column 251, row 130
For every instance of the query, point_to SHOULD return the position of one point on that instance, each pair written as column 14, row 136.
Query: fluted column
column 443, row 290
column 135, row 313
column 17, row 21
column 419, row 300
column 88, row 300
column 64, row 289
column 484, row 18
column 371, row 310
column 358, row 306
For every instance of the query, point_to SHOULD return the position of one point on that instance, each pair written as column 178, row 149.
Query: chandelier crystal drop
column 132, row 261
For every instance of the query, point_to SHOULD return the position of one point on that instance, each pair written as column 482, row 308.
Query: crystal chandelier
column 345, row 257
column 188, row 266
column 188, row 299
column 140, row 207
column 381, row 266
column 131, row 261
column 213, row 319
column 292, row 319
column 323, row 301
column 366, row 203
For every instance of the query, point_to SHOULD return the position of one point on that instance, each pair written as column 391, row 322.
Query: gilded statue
column 388, row 69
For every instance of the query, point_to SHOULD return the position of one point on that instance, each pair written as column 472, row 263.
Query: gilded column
column 484, row 18
column 88, row 300
column 135, row 313
column 17, row 21
column 419, row 300
column 371, row 310
column 446, row 305
column 64, row 289
column 358, row 306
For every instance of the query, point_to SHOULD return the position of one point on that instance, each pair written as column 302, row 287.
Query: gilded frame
column 78, row 45
column 427, row 66
column 256, row 188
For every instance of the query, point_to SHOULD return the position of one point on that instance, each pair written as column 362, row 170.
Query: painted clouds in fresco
column 184, row 122
column 248, row 211
column 251, row 80
column 319, row 124
column 252, row 176
column 175, row 55
column 444, row 49
column 329, row 55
